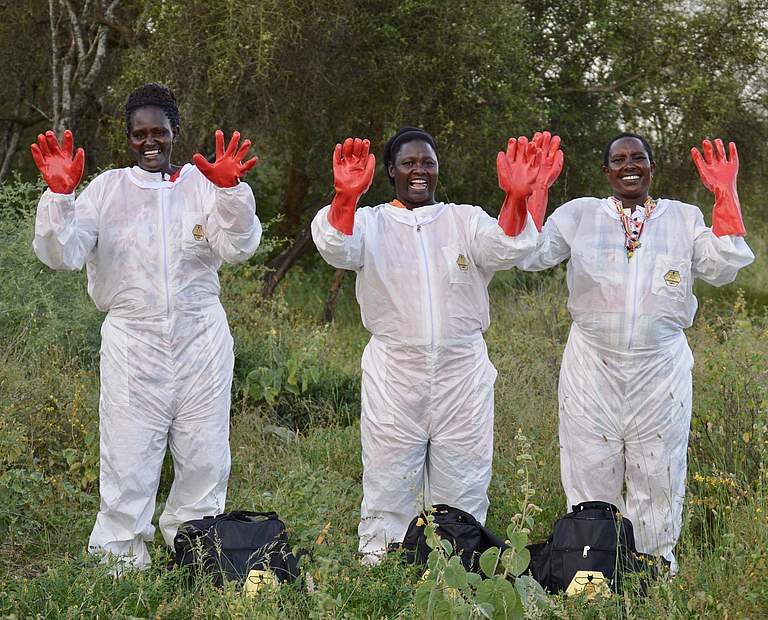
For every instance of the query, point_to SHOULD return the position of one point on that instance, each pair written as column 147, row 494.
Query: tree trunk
column 295, row 195
column 78, row 51
column 10, row 146
column 333, row 296
column 280, row 265
column 293, row 201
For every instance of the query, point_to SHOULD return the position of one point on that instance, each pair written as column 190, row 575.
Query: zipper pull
column 586, row 549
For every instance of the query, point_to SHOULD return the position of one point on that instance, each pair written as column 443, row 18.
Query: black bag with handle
column 232, row 544
column 468, row 537
column 594, row 538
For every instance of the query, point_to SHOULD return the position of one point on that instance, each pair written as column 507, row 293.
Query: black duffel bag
column 467, row 536
column 227, row 547
column 590, row 548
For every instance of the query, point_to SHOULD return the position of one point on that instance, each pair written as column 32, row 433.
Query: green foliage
column 448, row 590
column 18, row 198
column 300, row 457
column 290, row 372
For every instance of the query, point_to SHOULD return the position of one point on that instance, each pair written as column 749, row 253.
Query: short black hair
column 153, row 94
column 627, row 134
column 403, row 136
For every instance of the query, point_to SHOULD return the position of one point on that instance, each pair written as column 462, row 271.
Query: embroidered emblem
column 672, row 278
column 197, row 232
column 258, row 580
column 462, row 262
column 590, row 582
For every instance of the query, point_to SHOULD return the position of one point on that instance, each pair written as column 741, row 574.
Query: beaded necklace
column 633, row 228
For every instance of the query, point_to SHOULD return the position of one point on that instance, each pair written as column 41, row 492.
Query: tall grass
column 297, row 452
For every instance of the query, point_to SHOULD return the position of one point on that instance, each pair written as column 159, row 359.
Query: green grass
column 300, row 455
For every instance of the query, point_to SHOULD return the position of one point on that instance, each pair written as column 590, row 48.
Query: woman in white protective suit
column 625, row 380
column 153, row 237
column 423, row 269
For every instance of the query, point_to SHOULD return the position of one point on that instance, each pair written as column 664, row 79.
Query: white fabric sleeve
column 552, row 248
column 66, row 229
column 339, row 250
column 717, row 260
column 494, row 250
column 233, row 229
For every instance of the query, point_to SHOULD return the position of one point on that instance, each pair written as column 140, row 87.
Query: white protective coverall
column 427, row 383
column 152, row 249
column 625, row 379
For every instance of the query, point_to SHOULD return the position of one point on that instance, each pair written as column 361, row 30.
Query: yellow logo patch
column 672, row 278
column 258, row 580
column 197, row 232
column 591, row 582
column 462, row 262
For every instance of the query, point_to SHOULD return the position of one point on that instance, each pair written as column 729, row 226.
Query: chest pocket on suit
column 460, row 268
column 193, row 234
column 671, row 277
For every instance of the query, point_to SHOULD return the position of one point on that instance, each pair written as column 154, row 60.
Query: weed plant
column 295, row 447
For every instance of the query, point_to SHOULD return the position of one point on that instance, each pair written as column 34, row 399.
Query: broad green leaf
column 455, row 576
column 433, row 561
column 489, row 560
column 516, row 561
column 447, row 546
column 531, row 592
column 518, row 540
column 503, row 596
column 422, row 596
column 486, row 610
column 473, row 579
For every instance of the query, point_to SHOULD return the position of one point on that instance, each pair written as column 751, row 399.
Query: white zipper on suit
column 429, row 286
column 632, row 297
column 165, row 252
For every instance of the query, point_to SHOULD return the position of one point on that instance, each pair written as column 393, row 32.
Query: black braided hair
column 626, row 134
column 403, row 136
column 155, row 95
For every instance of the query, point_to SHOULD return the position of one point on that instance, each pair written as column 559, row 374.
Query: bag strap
column 244, row 515
column 596, row 506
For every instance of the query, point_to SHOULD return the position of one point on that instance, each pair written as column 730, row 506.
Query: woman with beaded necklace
column 625, row 380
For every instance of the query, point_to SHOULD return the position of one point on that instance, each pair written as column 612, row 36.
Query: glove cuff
column 513, row 215
column 726, row 215
column 341, row 215
column 537, row 206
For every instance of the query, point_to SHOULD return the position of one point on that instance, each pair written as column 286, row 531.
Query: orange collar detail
column 397, row 203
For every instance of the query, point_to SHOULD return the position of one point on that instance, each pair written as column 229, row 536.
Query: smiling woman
column 410, row 160
column 625, row 380
column 152, row 124
column 423, row 269
column 153, row 237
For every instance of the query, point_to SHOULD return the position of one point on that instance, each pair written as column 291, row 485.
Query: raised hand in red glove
column 229, row 166
column 718, row 174
column 518, row 169
column 551, row 167
column 60, row 170
column 353, row 168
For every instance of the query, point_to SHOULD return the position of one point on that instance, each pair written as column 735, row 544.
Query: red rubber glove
column 229, row 166
column 718, row 174
column 551, row 167
column 61, row 172
column 517, row 170
column 353, row 168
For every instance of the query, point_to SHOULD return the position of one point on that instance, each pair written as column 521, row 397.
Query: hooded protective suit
column 625, row 379
column 427, row 386
column 152, row 248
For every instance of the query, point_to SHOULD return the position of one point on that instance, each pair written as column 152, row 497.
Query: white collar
column 155, row 180
column 415, row 217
